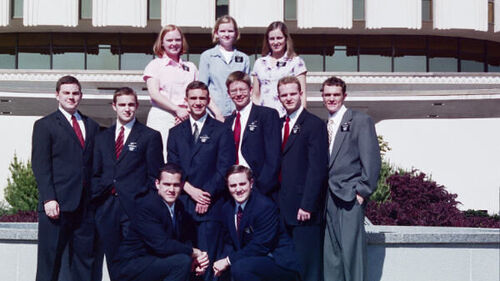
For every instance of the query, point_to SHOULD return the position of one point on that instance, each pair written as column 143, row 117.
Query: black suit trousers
column 171, row 268
column 74, row 230
column 260, row 269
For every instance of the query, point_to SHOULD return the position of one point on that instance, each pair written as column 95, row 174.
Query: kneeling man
column 158, row 245
column 257, row 247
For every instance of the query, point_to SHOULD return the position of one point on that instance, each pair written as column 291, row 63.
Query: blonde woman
column 167, row 77
column 218, row 62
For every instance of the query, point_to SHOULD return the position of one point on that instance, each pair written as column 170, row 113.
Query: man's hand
column 198, row 195
column 200, row 261
column 51, row 209
column 201, row 208
column 220, row 266
column 303, row 215
column 360, row 199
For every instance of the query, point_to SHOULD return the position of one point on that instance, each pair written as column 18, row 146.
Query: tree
column 21, row 191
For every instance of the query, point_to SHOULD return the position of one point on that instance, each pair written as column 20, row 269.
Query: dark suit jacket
column 355, row 159
column 152, row 234
column 261, row 233
column 204, row 163
column 261, row 146
column 134, row 172
column 304, row 169
column 61, row 166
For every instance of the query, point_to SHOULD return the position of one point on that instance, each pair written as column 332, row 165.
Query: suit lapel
column 252, row 118
column 88, row 132
column 63, row 122
column 134, row 135
column 298, row 126
column 339, row 137
column 206, row 131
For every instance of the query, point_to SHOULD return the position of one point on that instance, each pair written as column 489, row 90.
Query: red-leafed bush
column 416, row 200
column 21, row 216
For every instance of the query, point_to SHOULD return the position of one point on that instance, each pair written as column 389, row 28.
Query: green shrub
column 21, row 191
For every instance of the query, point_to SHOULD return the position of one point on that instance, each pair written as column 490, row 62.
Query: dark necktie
column 237, row 134
column 286, row 133
column 239, row 215
column 119, row 142
column 77, row 130
column 196, row 133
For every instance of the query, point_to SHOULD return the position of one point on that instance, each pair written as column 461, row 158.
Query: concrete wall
column 395, row 253
column 461, row 154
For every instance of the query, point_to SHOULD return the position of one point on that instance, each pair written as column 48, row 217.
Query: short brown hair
column 158, row 46
column 238, row 76
column 290, row 51
column 197, row 85
column 125, row 91
column 221, row 20
column 288, row 80
column 334, row 81
column 170, row 168
column 68, row 79
column 236, row 169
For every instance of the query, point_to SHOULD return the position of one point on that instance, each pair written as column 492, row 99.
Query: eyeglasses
column 233, row 92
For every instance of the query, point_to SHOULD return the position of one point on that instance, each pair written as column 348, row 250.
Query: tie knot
column 238, row 114
column 331, row 121
column 122, row 129
column 240, row 210
column 288, row 119
column 73, row 117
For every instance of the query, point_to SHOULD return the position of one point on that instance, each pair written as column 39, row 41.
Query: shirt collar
column 337, row 115
column 200, row 121
column 170, row 208
column 246, row 110
column 296, row 114
column 127, row 126
column 68, row 115
column 169, row 61
column 243, row 205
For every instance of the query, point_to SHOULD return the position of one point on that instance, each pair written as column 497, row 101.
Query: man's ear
column 157, row 184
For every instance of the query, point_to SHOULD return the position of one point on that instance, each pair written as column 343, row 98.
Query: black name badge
column 185, row 67
column 238, row 59
column 281, row 63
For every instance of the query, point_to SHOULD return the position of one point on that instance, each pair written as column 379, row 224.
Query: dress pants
column 112, row 226
column 172, row 268
column 209, row 239
column 260, row 269
column 308, row 242
column 345, row 241
column 75, row 232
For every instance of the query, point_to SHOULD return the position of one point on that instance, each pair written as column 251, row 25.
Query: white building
column 426, row 70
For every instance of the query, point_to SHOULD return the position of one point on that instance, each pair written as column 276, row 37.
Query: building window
column 375, row 54
column 154, row 9
column 290, row 9
column 8, row 51
column 472, row 55
column 136, row 51
column 68, row 51
column 443, row 54
column 358, row 9
column 221, row 8
column 103, row 52
column 17, row 9
column 34, row 51
column 410, row 54
column 491, row 12
column 85, row 9
column 341, row 54
column 427, row 10
column 493, row 51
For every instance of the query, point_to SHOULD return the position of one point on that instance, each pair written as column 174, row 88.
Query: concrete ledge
column 395, row 253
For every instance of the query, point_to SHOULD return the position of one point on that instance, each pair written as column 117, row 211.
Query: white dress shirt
column 127, row 128
column 337, row 119
column 244, row 114
column 78, row 117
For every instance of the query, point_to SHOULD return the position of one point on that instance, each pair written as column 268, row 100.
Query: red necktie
column 239, row 215
column 286, row 133
column 77, row 130
column 119, row 142
column 237, row 134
